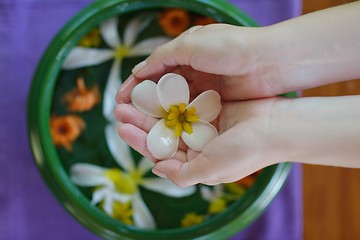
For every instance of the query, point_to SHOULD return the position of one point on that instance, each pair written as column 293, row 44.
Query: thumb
column 185, row 174
column 167, row 56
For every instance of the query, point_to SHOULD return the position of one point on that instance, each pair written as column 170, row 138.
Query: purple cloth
column 27, row 208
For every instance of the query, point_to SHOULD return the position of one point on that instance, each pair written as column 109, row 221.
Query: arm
column 308, row 51
column 316, row 130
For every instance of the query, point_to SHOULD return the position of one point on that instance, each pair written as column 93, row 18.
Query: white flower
column 83, row 57
column 122, row 186
column 209, row 194
column 169, row 102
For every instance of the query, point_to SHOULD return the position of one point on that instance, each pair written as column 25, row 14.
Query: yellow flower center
column 125, row 183
column 216, row 206
column 123, row 212
column 191, row 219
column 122, row 51
column 91, row 39
column 180, row 118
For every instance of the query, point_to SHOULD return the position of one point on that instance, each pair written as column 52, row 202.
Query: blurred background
column 331, row 195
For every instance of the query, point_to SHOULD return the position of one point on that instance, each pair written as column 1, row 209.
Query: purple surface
column 27, row 208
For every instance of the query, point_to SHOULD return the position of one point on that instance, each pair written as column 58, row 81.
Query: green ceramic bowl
column 51, row 81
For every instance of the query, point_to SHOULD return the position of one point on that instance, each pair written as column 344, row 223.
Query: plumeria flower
column 168, row 100
column 124, row 185
column 107, row 192
column 215, row 197
column 120, row 49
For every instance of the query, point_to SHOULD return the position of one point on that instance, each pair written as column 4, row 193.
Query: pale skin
column 249, row 67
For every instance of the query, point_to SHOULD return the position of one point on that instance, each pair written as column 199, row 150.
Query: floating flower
column 174, row 21
column 191, row 219
column 124, row 185
column 169, row 102
column 120, row 49
column 91, row 39
column 65, row 130
column 215, row 197
column 81, row 98
column 201, row 20
column 106, row 191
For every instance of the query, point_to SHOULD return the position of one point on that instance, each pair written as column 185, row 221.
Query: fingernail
column 158, row 173
column 121, row 94
column 139, row 67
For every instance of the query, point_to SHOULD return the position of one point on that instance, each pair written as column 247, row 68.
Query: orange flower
column 65, row 130
column 81, row 98
column 174, row 21
column 200, row 20
column 248, row 181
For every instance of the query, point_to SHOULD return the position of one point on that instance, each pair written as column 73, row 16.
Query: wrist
column 317, row 130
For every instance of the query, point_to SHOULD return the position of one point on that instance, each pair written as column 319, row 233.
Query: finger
column 127, row 113
column 184, row 174
column 167, row 56
column 123, row 94
column 135, row 138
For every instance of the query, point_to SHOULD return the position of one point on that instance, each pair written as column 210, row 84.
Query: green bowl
column 51, row 81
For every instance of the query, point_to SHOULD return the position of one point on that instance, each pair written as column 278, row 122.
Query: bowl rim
column 49, row 164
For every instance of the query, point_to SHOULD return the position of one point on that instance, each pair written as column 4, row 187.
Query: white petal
column 206, row 193
column 135, row 26
column 145, row 98
column 161, row 141
column 166, row 187
column 84, row 57
column 146, row 46
column 85, row 174
column 207, row 105
column 145, row 165
column 99, row 195
column 118, row 148
column 108, row 205
column 203, row 132
column 142, row 215
column 112, row 85
column 110, row 33
column 173, row 89
column 124, row 198
column 218, row 190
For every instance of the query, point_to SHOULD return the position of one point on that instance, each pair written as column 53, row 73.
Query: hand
column 228, row 59
column 242, row 147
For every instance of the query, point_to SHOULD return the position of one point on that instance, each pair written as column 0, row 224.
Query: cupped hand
column 243, row 146
column 229, row 59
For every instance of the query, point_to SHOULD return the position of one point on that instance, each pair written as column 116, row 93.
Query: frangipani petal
column 84, row 57
column 209, row 194
column 161, row 141
column 142, row 216
column 166, row 187
column 112, row 85
column 207, row 105
column 118, row 148
column 203, row 132
column 206, row 193
column 145, row 165
column 110, row 33
column 135, row 26
column 108, row 203
column 146, row 46
column 173, row 90
column 145, row 98
column 86, row 175
column 99, row 195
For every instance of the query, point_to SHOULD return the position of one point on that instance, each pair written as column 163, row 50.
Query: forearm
column 322, row 131
column 315, row 49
